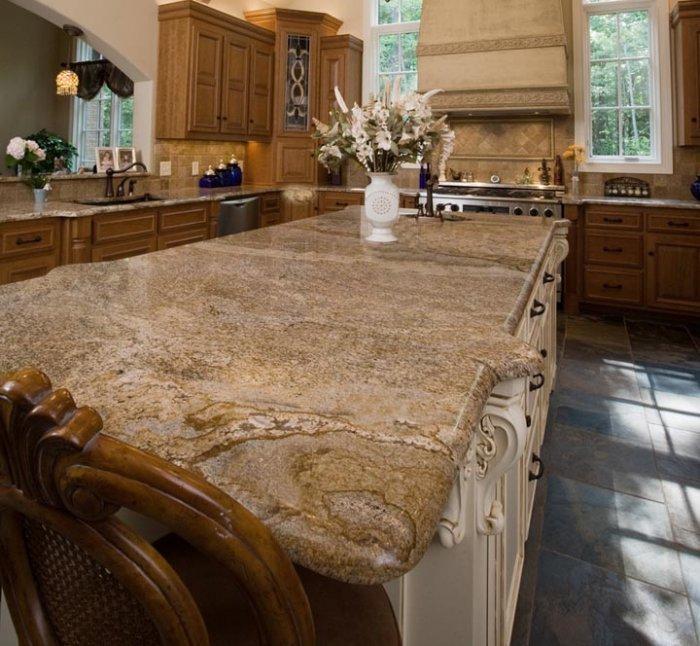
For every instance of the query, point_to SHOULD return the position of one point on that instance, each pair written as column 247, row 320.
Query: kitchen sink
column 127, row 199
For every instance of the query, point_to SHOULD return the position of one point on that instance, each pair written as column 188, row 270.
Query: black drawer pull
column 612, row 249
column 21, row 241
column 536, row 459
column 537, row 382
column 538, row 309
column 544, row 353
column 528, row 420
column 342, row 204
column 609, row 286
column 613, row 220
column 548, row 278
column 679, row 225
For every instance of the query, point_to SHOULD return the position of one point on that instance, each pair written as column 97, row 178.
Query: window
column 394, row 42
column 106, row 120
column 623, row 85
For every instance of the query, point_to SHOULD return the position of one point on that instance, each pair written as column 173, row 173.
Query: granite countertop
column 329, row 385
column 12, row 212
column 632, row 201
column 18, row 211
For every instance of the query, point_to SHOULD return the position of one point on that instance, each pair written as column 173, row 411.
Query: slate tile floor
column 613, row 556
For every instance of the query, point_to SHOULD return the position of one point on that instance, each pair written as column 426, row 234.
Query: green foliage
column 620, row 83
column 54, row 146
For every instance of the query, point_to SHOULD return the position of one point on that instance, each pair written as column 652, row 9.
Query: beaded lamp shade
column 67, row 82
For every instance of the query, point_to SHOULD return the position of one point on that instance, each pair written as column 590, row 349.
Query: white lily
column 341, row 102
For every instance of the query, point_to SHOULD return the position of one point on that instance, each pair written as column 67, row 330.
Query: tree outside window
column 396, row 42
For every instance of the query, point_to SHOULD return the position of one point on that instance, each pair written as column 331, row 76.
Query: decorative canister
column 210, row 179
column 382, row 206
column 695, row 188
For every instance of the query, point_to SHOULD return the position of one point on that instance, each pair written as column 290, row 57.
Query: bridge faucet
column 109, row 189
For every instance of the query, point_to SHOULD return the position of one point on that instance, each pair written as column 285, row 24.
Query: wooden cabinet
column 341, row 67
column 633, row 258
column 126, row 249
column 673, row 272
column 329, row 201
column 295, row 161
column 270, row 210
column 28, row 249
column 262, row 81
column 215, row 77
column 298, row 209
column 685, row 21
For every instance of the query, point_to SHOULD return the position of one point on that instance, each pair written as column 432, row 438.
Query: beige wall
column 30, row 53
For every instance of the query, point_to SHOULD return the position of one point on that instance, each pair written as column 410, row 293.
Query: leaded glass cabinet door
column 299, row 84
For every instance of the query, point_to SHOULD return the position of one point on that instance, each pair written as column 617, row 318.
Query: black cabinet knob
column 538, row 309
column 536, row 460
column 537, row 382
column 548, row 278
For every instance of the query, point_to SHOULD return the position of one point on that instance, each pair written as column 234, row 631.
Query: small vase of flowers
column 578, row 154
column 25, row 155
column 390, row 130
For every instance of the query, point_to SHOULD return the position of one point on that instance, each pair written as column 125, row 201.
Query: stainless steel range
column 504, row 199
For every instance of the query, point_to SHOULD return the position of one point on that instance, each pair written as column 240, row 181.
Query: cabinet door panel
column 262, row 73
column 119, row 250
column 234, row 97
column 295, row 161
column 673, row 272
column 332, row 76
column 26, row 268
column 207, row 45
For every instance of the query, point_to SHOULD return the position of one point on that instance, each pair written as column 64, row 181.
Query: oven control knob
column 517, row 211
column 455, row 208
column 534, row 211
column 548, row 213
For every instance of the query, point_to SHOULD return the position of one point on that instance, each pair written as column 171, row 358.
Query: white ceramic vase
column 39, row 197
column 381, row 206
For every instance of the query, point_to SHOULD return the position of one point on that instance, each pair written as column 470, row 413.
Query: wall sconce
column 67, row 80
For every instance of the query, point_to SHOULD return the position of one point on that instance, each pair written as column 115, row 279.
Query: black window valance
column 94, row 74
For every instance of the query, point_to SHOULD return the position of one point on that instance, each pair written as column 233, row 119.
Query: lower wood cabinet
column 28, row 249
column 329, row 201
column 179, row 238
column 673, row 272
column 627, row 257
column 295, row 160
column 271, row 210
column 126, row 249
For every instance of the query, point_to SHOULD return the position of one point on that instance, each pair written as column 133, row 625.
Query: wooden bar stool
column 75, row 574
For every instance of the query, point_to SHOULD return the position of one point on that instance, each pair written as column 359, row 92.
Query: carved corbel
column 498, row 443
column 560, row 246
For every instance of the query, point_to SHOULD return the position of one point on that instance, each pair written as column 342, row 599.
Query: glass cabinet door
column 297, row 115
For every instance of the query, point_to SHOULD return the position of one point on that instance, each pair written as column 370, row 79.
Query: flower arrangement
column 391, row 129
column 27, row 154
column 577, row 153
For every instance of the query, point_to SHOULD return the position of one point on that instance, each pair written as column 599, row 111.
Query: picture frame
column 105, row 158
column 125, row 157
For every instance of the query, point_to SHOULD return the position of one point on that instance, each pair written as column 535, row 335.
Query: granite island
column 355, row 398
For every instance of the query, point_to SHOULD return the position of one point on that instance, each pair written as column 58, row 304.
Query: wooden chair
column 75, row 574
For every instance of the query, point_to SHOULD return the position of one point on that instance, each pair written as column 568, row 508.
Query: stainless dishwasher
column 237, row 216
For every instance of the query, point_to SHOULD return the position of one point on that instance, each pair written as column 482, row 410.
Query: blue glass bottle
column 695, row 188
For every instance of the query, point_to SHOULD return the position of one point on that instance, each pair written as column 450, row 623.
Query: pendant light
column 67, row 80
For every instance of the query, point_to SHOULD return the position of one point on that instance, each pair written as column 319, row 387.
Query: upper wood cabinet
column 685, row 20
column 215, row 75
column 341, row 67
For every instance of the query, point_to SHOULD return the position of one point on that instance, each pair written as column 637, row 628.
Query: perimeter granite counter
column 330, row 386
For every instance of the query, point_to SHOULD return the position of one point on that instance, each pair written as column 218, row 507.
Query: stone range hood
column 495, row 56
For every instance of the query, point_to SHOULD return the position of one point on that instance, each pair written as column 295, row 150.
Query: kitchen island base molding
column 464, row 591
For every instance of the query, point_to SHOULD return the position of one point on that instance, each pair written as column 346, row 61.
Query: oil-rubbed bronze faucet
column 109, row 189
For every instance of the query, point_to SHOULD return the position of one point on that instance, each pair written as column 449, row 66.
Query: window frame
column 659, row 80
column 82, row 51
column 376, row 30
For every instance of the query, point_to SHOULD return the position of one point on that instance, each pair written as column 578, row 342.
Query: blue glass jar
column 236, row 173
column 210, row 179
column 695, row 188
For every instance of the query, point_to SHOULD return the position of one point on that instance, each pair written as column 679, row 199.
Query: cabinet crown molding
column 275, row 14
column 685, row 9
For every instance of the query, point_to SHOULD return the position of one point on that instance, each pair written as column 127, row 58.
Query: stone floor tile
column 668, row 378
column 606, row 332
column 686, row 539
column 604, row 461
column 683, row 503
column 672, row 410
column 656, row 333
column 613, row 530
column 579, row 604
column 628, row 422
column 612, row 378
column 690, row 565
column 677, row 452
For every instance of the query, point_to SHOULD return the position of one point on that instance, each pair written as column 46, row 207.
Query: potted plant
column 60, row 154
column 25, row 155
column 390, row 130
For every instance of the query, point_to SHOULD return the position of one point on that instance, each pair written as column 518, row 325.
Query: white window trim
column 76, row 114
column 373, row 30
column 661, row 97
